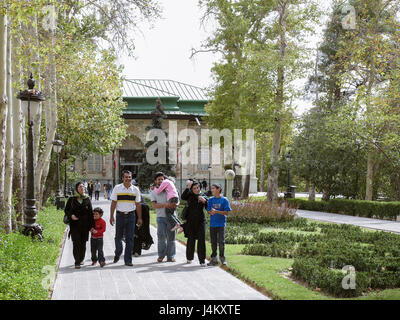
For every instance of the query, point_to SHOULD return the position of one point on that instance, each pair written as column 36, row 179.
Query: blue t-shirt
column 220, row 204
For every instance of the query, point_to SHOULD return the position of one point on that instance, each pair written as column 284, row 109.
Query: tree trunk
column 262, row 174
column 272, row 180
column 9, row 156
column 307, row 186
column 370, row 176
column 51, row 124
column 326, row 195
column 273, row 172
column 246, row 188
column 3, row 108
column 50, row 184
column 19, row 127
column 311, row 195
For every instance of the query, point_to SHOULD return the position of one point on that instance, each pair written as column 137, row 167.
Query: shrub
column 361, row 208
column 320, row 256
column 260, row 212
column 328, row 279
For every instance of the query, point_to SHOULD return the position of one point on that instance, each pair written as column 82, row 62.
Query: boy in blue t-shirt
column 218, row 208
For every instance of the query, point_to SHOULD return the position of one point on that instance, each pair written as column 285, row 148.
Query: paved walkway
column 384, row 225
column 147, row 279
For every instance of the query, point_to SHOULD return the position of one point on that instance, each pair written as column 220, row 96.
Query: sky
column 163, row 51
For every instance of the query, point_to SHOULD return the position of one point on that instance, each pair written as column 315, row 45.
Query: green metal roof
column 178, row 98
column 163, row 88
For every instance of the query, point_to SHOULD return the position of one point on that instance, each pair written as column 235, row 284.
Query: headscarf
column 77, row 194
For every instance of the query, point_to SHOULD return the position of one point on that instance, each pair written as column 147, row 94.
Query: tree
column 263, row 52
column 147, row 170
column 367, row 54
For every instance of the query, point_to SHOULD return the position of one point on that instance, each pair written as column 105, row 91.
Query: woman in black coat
column 143, row 238
column 80, row 213
column 195, row 225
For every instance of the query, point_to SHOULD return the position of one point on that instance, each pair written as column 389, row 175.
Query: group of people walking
column 130, row 214
column 96, row 188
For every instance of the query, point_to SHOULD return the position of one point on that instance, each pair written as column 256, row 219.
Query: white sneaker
column 203, row 265
column 189, row 261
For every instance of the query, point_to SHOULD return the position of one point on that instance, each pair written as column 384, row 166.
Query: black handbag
column 66, row 219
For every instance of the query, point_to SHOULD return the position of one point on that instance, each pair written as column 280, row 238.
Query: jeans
column 125, row 226
column 96, row 195
column 172, row 218
column 217, row 237
column 109, row 194
column 96, row 247
column 166, row 238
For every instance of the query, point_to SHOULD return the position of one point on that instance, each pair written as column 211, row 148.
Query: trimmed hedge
column 360, row 208
column 320, row 256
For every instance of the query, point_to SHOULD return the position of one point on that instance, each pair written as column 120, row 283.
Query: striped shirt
column 126, row 197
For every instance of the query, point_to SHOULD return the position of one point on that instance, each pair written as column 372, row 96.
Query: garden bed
column 24, row 263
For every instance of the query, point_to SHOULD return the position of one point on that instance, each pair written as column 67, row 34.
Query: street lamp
column 209, row 176
column 31, row 99
column 57, row 147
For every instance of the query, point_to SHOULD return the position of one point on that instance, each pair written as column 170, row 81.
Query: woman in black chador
column 195, row 225
column 143, row 238
column 80, row 214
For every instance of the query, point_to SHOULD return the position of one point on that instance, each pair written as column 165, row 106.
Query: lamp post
column 57, row 146
column 209, row 176
column 30, row 100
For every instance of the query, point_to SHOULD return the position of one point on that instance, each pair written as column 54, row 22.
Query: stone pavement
column 378, row 224
column 147, row 279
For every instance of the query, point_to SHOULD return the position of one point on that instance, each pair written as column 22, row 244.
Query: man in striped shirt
column 125, row 200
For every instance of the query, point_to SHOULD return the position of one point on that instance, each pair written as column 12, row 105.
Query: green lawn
column 25, row 264
column 267, row 274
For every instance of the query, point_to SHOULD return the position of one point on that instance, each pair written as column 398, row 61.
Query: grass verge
column 27, row 268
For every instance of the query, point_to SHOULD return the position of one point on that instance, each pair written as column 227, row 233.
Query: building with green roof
column 184, row 104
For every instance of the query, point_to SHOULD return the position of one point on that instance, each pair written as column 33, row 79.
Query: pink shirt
column 169, row 187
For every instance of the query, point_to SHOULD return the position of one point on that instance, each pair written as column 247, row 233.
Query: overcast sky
column 163, row 52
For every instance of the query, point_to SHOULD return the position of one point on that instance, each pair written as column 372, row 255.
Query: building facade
column 184, row 105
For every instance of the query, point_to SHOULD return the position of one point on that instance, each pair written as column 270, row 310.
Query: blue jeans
column 96, row 246
column 125, row 226
column 166, row 238
column 109, row 194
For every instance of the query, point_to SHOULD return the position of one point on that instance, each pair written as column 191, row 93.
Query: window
column 94, row 163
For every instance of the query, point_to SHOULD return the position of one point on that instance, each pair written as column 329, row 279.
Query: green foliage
column 320, row 251
column 22, row 260
column 360, row 208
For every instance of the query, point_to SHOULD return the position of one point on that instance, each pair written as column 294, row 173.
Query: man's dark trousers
column 125, row 225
